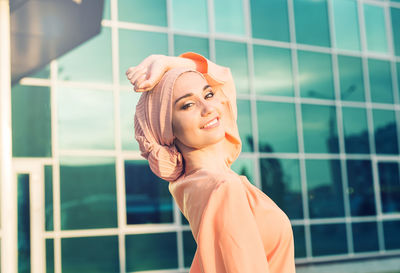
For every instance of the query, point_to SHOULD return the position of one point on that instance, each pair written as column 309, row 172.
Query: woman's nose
column 207, row 108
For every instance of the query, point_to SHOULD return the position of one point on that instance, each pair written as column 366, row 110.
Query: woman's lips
column 212, row 124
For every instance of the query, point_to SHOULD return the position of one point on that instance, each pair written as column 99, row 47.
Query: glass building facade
column 318, row 84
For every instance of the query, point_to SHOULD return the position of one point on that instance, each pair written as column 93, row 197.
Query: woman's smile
column 211, row 124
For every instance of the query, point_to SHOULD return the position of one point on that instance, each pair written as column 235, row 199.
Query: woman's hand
column 150, row 71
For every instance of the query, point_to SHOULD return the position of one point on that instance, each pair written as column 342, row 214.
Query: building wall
column 318, row 99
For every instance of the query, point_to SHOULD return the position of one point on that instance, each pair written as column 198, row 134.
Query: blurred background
column 319, row 116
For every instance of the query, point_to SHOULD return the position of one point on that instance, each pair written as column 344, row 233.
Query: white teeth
column 211, row 123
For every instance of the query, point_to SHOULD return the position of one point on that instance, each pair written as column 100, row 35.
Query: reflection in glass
column 269, row 20
column 150, row 12
column 385, row 131
column 380, row 80
column 391, row 234
column 277, row 130
column 88, row 190
column 351, row 78
column 128, row 101
column 360, row 187
column 48, row 197
column 244, row 124
column 299, row 242
column 315, row 75
column 151, row 251
column 184, row 12
column 49, row 256
column 234, row 56
column 135, row 45
column 395, row 15
column 375, row 28
column 244, row 166
column 89, row 62
column 325, row 192
column 90, row 254
column 365, row 237
column 280, row 180
column 319, row 129
column 346, row 24
column 328, row 239
column 31, row 121
column 184, row 44
column 24, row 224
column 311, row 22
column 85, row 119
column 189, row 247
column 273, row 71
column 147, row 197
column 389, row 186
column 355, row 129
column 229, row 17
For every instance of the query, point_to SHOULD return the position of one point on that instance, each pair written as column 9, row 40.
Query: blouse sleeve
column 228, row 240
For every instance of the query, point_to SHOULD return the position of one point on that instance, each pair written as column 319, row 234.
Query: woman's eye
column 210, row 94
column 187, row 105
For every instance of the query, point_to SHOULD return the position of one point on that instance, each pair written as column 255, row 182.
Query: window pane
column 315, row 75
column 31, row 121
column 189, row 247
column 244, row 124
column 360, row 187
column 229, row 17
column 346, row 24
column 151, row 251
column 89, row 62
column 88, row 190
column 328, row 239
column 147, row 197
column 280, row 180
column 107, row 10
column 375, row 28
column 389, row 186
column 183, row 12
column 244, row 166
column 319, row 129
column 24, row 223
column 395, row 15
column 299, row 242
column 276, row 127
column 90, row 254
column 43, row 73
column 269, row 20
column 234, row 56
column 355, row 130
column 49, row 256
column 351, row 78
column 392, row 235
column 134, row 46
column 325, row 192
column 311, row 22
column 380, row 80
column 184, row 44
column 385, row 131
column 273, row 71
column 128, row 101
column 48, row 197
column 85, row 119
column 361, row 231
column 150, row 12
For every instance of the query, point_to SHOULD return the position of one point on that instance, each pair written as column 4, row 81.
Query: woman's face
column 197, row 110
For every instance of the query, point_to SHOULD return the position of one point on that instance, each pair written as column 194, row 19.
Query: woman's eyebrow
column 191, row 94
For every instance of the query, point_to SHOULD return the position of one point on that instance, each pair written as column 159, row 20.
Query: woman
column 186, row 129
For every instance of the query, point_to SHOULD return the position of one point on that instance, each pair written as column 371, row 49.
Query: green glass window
column 395, row 15
column 43, row 73
column 311, row 22
column 150, row 12
column 234, row 56
column 328, row 239
column 269, row 20
column 189, row 247
column 360, row 187
column 89, row 62
column 351, row 78
column 361, row 231
column 147, row 197
column 48, row 197
column 107, row 10
column 355, row 129
column 244, row 124
column 277, row 130
column 389, row 186
column 244, row 166
column 90, row 254
column 88, row 191
column 128, row 101
column 134, row 46
column 391, row 234
column 319, row 129
column 79, row 108
column 184, row 44
column 184, row 12
column 280, row 180
column 273, row 71
column 151, row 251
column 346, row 24
column 49, row 256
column 324, row 183
column 31, row 121
column 380, row 81
column 315, row 75
column 24, row 223
column 375, row 28
column 229, row 17
column 385, row 131
column 299, row 241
